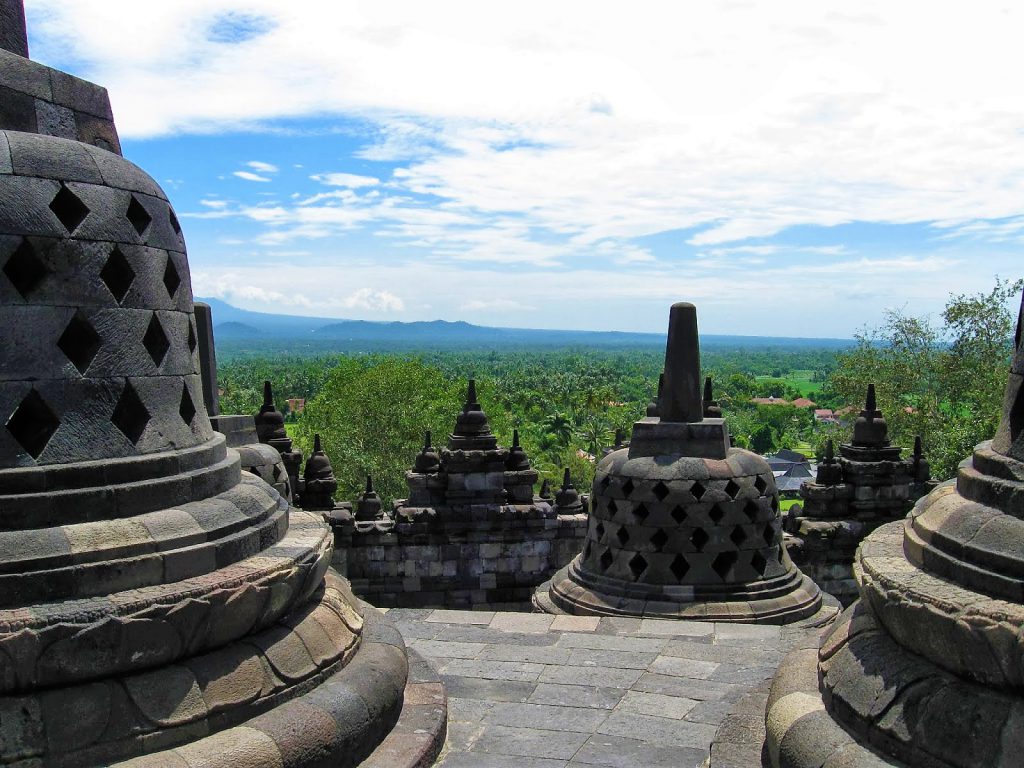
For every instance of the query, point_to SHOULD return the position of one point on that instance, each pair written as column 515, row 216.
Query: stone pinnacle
column 13, row 34
column 871, row 404
column 268, row 396
column 369, row 484
column 426, row 440
column 471, row 403
column 515, row 438
column 830, row 452
column 681, row 399
column 316, row 444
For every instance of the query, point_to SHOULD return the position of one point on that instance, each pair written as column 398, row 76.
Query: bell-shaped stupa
column 157, row 605
column 927, row 667
column 682, row 525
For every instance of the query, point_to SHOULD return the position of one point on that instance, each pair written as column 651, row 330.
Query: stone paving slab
column 536, row 691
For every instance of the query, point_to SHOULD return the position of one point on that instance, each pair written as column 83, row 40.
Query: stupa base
column 789, row 598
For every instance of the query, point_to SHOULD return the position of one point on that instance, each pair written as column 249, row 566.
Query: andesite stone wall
column 494, row 562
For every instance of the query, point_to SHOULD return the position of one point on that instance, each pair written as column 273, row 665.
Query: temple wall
column 495, row 563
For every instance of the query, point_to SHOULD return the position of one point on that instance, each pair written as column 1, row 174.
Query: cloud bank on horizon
column 796, row 168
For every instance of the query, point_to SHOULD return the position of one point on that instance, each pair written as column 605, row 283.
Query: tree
column 372, row 416
column 944, row 383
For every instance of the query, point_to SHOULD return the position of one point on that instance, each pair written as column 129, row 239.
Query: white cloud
column 374, row 301
column 259, row 165
column 345, row 180
column 496, row 305
column 583, row 126
column 249, row 176
column 739, row 119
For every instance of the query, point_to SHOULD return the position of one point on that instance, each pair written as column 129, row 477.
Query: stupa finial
column 681, row 399
column 13, row 33
column 316, row 444
column 268, row 396
column 870, row 429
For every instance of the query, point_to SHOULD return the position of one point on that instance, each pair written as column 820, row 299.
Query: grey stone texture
column 868, row 485
column 682, row 526
column 159, row 606
column 13, row 34
column 37, row 99
column 203, row 332
column 925, row 669
column 471, row 534
column 100, row 314
column 601, row 691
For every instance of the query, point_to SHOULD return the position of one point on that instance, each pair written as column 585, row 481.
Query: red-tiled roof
column 803, row 402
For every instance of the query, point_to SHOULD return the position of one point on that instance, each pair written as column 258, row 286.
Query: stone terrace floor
column 529, row 690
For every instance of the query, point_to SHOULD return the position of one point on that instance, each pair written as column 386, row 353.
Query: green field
column 799, row 380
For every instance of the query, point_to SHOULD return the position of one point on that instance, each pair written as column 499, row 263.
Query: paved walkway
column 531, row 690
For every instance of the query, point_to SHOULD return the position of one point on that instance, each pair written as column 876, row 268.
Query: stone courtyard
column 528, row 690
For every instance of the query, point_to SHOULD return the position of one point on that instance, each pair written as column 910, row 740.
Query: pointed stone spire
column 870, row 429
column 319, row 483
column 545, row 490
column 369, row 506
column 269, row 420
column 517, row 460
column 427, row 460
column 13, row 34
column 829, row 470
column 652, row 407
column 472, row 430
column 318, row 466
column 618, row 438
column 567, row 500
column 1009, row 439
column 681, row 398
column 712, row 410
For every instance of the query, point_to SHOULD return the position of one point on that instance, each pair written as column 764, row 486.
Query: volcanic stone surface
column 158, row 606
column 926, row 668
column 868, row 485
column 682, row 525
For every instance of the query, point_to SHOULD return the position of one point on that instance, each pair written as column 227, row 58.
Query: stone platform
column 528, row 690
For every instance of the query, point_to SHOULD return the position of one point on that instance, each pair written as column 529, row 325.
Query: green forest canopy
column 941, row 380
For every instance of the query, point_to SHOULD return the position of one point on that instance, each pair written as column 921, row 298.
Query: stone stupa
column 867, row 485
column 927, row 668
column 158, row 606
column 682, row 525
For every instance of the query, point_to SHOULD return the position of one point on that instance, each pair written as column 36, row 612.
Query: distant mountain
column 233, row 323
column 265, row 322
column 235, row 330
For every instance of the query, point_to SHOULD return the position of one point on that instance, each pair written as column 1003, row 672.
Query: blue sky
column 793, row 170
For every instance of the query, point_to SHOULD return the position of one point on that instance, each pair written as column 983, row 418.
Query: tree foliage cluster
column 943, row 381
